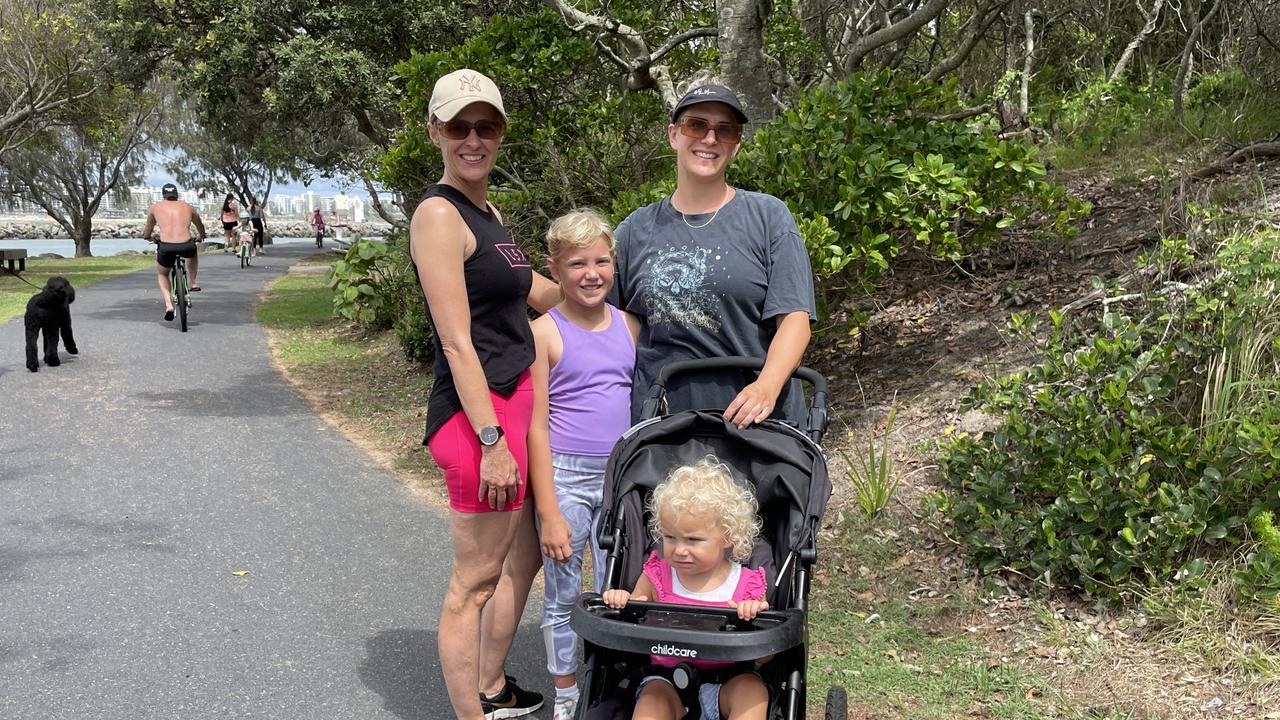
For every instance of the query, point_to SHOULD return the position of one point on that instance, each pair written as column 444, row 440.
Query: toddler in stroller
column 690, row 644
column 705, row 523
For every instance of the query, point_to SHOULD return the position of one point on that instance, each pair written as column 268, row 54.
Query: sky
column 156, row 176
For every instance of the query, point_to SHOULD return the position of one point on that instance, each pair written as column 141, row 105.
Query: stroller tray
column 687, row 631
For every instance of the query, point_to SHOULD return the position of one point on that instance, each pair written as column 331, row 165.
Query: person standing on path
column 174, row 218
column 476, row 283
column 230, row 219
column 256, row 218
column 712, row 270
column 586, row 351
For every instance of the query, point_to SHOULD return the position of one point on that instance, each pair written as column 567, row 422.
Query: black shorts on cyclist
column 167, row 253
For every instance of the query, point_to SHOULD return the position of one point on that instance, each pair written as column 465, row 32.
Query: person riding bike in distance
column 173, row 218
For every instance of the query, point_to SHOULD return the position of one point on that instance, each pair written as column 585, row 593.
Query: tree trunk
column 1024, row 93
column 83, row 236
column 973, row 31
column 1188, row 50
column 1152, row 18
column 742, row 68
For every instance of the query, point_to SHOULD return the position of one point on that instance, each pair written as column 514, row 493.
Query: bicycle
column 179, row 286
column 246, row 255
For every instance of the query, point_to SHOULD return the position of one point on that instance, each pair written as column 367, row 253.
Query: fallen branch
column 962, row 114
column 1098, row 295
column 1169, row 287
column 1248, row 152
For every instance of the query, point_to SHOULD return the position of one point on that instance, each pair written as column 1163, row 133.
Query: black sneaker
column 513, row 701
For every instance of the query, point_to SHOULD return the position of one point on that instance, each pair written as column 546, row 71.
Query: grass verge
column 900, row 647
column 82, row 272
column 358, row 382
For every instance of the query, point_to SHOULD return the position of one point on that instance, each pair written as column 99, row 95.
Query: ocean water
column 101, row 247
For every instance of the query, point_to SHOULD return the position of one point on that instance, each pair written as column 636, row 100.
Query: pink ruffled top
column 748, row 584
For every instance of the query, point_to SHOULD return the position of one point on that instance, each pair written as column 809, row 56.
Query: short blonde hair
column 578, row 229
column 708, row 487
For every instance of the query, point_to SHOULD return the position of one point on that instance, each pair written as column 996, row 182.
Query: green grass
column 300, row 308
column 296, row 301
column 82, row 272
column 899, row 657
column 360, row 380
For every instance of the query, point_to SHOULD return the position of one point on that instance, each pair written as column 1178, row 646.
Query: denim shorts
column 708, row 696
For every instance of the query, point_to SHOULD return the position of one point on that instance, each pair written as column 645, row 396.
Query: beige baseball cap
column 460, row 88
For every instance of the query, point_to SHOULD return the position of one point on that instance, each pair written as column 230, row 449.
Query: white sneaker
column 565, row 708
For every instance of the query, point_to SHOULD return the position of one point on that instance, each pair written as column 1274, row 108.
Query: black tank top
column 498, row 279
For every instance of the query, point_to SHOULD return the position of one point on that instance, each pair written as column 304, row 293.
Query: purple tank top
column 589, row 390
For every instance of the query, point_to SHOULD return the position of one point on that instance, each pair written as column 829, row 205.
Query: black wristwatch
column 490, row 435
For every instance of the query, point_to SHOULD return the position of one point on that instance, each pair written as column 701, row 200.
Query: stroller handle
column 816, row 424
column 709, row 633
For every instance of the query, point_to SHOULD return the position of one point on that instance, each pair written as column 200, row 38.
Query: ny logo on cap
column 469, row 83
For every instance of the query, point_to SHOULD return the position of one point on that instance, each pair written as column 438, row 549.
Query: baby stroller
column 788, row 470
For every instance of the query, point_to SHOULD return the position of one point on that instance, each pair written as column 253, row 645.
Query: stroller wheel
column 837, row 704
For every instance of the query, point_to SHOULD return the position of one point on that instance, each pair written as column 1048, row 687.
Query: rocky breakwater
column 29, row 230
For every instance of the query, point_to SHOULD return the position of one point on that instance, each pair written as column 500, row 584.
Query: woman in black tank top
column 476, row 283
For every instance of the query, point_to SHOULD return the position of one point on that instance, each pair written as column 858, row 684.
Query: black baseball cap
column 710, row 93
column 169, row 191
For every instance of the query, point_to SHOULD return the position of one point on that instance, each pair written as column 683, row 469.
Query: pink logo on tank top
column 514, row 255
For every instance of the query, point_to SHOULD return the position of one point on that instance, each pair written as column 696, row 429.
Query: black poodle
column 49, row 311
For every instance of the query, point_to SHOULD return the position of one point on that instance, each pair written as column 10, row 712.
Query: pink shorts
column 456, row 449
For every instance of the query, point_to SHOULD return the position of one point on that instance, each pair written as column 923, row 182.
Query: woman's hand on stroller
column 618, row 599
column 556, row 537
column 749, row 609
column 753, row 404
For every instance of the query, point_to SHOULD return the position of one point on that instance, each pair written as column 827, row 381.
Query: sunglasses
column 697, row 128
column 461, row 129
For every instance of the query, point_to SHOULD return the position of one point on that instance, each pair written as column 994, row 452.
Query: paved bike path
column 127, row 508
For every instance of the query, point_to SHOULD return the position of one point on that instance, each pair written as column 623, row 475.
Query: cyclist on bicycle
column 173, row 218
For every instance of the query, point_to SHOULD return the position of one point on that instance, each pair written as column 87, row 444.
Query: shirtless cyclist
column 173, row 218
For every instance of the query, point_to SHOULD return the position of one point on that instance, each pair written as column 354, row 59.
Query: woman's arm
column 555, row 535
column 544, row 294
column 438, row 244
column 755, row 402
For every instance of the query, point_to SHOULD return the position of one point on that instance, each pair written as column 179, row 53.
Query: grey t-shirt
column 710, row 290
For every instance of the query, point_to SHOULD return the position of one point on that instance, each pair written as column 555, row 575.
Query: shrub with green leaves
column 869, row 171
column 374, row 285
column 1139, row 448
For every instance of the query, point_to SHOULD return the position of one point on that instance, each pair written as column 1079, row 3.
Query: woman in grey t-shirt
column 712, row 271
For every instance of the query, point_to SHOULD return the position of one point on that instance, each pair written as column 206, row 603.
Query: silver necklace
column 698, row 227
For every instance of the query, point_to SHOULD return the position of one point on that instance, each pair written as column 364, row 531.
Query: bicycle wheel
column 182, row 295
column 244, row 259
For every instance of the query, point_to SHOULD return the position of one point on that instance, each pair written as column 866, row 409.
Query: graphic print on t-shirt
column 675, row 286
column 514, row 255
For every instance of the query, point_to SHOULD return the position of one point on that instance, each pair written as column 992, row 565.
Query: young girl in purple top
column 584, row 359
column 707, row 524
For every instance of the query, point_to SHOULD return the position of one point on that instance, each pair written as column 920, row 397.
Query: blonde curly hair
column 578, row 228
column 708, row 487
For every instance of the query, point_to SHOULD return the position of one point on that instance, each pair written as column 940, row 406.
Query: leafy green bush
column 572, row 140
column 869, row 172
column 359, row 284
column 374, row 285
column 1137, row 449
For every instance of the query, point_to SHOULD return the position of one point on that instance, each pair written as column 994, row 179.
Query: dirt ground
column 935, row 329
